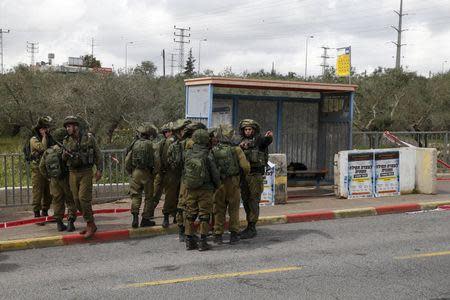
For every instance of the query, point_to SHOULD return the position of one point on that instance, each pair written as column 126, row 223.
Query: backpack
column 142, row 155
column 53, row 163
column 175, row 155
column 195, row 169
column 158, row 147
column 226, row 160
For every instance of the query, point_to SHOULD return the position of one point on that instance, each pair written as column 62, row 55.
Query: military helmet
column 225, row 133
column 71, row 120
column 44, row 122
column 195, row 126
column 147, row 128
column 201, row 137
column 180, row 124
column 167, row 127
column 59, row 134
column 249, row 123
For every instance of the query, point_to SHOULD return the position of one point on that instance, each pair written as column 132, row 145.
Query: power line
column 399, row 30
column 2, row 31
column 324, row 57
column 32, row 48
column 181, row 35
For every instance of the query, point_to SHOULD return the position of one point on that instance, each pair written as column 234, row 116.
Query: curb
column 124, row 234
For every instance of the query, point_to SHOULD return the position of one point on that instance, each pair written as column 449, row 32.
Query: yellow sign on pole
column 343, row 63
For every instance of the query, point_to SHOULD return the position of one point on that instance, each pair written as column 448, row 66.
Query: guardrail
column 16, row 187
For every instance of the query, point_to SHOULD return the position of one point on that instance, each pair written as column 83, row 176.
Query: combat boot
column 234, row 237
column 191, row 243
column 60, row 225
column 45, row 212
column 71, row 225
column 249, row 232
column 135, row 222
column 90, row 230
column 181, row 236
column 203, row 245
column 218, row 239
column 147, row 222
column 165, row 222
column 37, row 214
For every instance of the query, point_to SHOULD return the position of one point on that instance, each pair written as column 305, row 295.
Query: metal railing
column 428, row 139
column 16, row 187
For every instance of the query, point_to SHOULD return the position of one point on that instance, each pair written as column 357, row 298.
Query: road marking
column 212, row 276
column 431, row 254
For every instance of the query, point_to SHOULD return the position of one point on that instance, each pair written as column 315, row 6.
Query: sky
column 241, row 35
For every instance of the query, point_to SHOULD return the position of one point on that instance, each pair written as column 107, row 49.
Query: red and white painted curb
column 123, row 234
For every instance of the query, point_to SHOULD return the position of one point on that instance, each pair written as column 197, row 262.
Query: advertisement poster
column 268, row 194
column 387, row 179
column 360, row 174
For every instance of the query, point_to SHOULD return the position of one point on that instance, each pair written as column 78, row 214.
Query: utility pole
column 306, row 54
column 32, row 48
column 399, row 30
column 172, row 65
column 199, row 52
column 324, row 56
column 92, row 47
column 181, row 34
column 2, row 31
column 164, row 62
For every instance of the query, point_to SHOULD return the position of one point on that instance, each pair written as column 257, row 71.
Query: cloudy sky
column 243, row 35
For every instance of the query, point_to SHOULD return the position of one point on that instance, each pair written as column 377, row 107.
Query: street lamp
column 306, row 55
column 199, row 51
column 444, row 62
column 126, row 55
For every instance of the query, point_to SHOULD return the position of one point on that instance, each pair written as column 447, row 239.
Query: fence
column 16, row 187
column 15, row 182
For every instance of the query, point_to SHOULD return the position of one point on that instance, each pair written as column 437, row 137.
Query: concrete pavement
column 402, row 256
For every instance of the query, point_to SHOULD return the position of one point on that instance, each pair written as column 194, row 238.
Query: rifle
column 71, row 155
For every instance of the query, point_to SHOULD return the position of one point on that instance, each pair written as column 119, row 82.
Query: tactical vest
column 82, row 152
column 53, row 163
column 258, row 159
column 195, row 170
column 175, row 155
column 226, row 160
column 142, row 154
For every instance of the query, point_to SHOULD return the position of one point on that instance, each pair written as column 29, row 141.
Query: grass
column 11, row 144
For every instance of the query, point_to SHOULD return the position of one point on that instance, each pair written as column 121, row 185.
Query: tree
column 146, row 68
column 189, row 68
column 90, row 61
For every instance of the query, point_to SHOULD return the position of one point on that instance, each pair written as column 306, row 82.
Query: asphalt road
column 404, row 256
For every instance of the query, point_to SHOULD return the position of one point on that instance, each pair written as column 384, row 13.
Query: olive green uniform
column 59, row 189
column 228, row 196
column 172, row 179
column 142, row 180
column 252, row 185
column 41, row 190
column 85, row 154
column 187, row 144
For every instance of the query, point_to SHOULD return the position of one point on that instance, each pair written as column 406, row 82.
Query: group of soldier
column 61, row 166
column 203, row 174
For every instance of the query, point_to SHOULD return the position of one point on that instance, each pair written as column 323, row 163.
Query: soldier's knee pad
column 204, row 218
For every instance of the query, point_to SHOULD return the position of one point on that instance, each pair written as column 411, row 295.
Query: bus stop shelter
column 311, row 121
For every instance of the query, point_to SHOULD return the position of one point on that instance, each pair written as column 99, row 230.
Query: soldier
column 52, row 167
column 81, row 155
column 201, row 178
column 162, row 166
column 186, row 144
column 231, row 161
column 140, row 164
column 173, row 175
column 38, row 144
column 255, row 148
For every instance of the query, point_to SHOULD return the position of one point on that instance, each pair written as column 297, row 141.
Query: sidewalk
column 307, row 201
